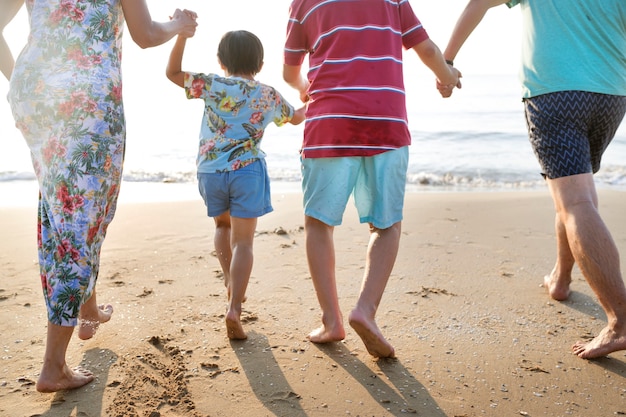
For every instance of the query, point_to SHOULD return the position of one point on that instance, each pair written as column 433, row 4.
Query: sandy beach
column 474, row 331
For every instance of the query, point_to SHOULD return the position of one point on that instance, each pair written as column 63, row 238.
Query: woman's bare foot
column 327, row 335
column 557, row 287
column 67, row 379
column 88, row 325
column 234, row 329
column 368, row 331
column 606, row 342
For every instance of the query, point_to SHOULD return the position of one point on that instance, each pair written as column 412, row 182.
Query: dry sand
column 475, row 333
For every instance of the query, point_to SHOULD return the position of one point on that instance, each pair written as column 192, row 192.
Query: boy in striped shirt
column 356, row 139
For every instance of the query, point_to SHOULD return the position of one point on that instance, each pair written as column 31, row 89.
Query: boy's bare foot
column 558, row 288
column 606, row 342
column 234, row 329
column 324, row 335
column 87, row 325
column 68, row 379
column 368, row 331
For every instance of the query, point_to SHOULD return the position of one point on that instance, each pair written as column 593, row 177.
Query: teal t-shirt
column 573, row 45
column 236, row 113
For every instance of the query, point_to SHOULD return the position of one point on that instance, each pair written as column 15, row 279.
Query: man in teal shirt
column 574, row 90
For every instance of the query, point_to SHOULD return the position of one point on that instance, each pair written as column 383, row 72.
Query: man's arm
column 467, row 22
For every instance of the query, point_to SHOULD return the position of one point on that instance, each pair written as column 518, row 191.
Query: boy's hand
column 446, row 89
column 188, row 20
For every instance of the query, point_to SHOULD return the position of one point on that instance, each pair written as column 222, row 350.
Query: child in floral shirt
column 232, row 174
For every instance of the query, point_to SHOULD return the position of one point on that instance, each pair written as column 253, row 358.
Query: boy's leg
column 221, row 241
column 327, row 184
column 381, row 256
column 320, row 252
column 379, row 197
column 242, row 239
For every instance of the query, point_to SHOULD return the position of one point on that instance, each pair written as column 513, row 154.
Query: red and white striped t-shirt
column 355, row 47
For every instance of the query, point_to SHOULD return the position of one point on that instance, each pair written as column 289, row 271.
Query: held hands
column 446, row 89
column 187, row 20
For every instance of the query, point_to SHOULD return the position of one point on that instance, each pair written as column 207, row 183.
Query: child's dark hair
column 241, row 52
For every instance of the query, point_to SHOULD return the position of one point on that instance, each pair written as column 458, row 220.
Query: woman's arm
column 9, row 9
column 147, row 33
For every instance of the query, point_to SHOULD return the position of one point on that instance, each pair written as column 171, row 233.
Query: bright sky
column 149, row 96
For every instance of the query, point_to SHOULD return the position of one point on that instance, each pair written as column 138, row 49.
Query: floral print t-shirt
column 236, row 113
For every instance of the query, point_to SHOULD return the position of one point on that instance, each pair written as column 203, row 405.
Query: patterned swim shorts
column 570, row 130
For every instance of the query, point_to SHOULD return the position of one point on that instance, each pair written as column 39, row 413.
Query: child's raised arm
column 174, row 71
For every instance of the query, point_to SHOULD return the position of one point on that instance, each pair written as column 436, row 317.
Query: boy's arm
column 293, row 77
column 298, row 116
column 432, row 57
column 174, row 71
column 467, row 22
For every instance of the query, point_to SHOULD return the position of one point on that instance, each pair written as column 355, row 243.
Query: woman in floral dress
column 66, row 98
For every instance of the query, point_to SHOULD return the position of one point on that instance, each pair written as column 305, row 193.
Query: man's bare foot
column 234, row 329
column 87, row 326
column 368, row 331
column 68, row 379
column 324, row 335
column 558, row 288
column 606, row 342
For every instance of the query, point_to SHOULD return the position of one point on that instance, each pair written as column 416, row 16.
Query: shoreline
column 23, row 193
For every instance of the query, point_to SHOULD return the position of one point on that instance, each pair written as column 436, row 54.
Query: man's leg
column 320, row 252
column 381, row 256
column 559, row 280
column 597, row 257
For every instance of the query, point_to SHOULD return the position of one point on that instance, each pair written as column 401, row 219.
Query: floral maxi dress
column 66, row 98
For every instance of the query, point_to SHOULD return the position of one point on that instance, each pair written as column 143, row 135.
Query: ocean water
column 475, row 140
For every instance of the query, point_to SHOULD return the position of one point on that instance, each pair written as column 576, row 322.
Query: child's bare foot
column 88, row 325
column 557, row 287
column 606, row 342
column 325, row 335
column 234, row 329
column 368, row 331
column 67, row 379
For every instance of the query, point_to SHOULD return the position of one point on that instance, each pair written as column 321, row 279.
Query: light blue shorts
column 376, row 182
column 245, row 191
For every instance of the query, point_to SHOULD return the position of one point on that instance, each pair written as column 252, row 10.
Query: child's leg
column 242, row 239
column 221, row 240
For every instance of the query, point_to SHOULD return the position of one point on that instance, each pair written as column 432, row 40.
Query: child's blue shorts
column 376, row 182
column 245, row 191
